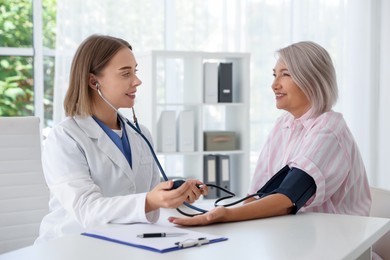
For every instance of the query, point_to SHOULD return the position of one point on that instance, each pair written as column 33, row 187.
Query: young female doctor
column 97, row 168
column 310, row 161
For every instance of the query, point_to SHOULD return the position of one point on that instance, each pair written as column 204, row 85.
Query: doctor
column 97, row 168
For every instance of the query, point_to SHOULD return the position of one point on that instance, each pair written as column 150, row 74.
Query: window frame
column 37, row 52
column 38, row 60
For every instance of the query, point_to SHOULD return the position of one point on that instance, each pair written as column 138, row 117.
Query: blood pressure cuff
column 296, row 184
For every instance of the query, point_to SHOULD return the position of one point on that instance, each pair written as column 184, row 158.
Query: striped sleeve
column 325, row 159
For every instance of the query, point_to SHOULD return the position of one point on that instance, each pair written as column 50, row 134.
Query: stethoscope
column 135, row 126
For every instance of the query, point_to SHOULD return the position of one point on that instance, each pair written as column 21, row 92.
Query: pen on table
column 190, row 242
column 147, row 235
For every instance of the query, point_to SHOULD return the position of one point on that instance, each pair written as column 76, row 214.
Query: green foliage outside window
column 49, row 11
column 16, row 72
column 16, row 23
column 16, row 86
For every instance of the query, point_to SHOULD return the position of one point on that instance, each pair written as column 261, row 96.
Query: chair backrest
column 380, row 207
column 23, row 192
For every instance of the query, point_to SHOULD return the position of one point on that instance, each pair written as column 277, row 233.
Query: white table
column 302, row 236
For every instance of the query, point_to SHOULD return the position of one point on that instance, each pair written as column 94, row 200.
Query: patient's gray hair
column 311, row 68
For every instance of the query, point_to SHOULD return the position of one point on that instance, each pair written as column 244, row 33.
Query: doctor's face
column 118, row 80
column 288, row 95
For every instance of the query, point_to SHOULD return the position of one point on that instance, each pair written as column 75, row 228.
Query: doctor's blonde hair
column 93, row 54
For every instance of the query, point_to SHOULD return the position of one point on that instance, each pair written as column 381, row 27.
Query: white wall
column 383, row 155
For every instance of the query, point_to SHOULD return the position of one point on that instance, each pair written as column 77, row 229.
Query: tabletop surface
column 301, row 236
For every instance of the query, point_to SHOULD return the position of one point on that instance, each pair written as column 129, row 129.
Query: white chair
column 380, row 207
column 23, row 192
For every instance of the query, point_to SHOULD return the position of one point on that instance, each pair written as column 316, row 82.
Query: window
column 27, row 42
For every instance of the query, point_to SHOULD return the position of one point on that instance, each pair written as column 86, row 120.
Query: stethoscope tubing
column 137, row 129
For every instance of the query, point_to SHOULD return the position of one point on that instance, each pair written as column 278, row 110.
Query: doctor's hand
column 215, row 215
column 162, row 197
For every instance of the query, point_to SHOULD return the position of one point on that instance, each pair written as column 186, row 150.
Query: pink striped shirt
column 324, row 148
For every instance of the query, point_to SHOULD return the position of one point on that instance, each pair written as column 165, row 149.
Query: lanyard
column 121, row 142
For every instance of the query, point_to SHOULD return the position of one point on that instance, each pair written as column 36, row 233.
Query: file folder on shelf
column 185, row 131
column 210, row 175
column 225, row 82
column 128, row 235
column 223, row 170
column 166, row 139
column 210, row 82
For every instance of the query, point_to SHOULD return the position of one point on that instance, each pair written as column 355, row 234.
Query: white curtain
column 355, row 32
column 382, row 178
column 141, row 23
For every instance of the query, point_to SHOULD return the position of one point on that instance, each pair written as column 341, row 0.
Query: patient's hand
column 215, row 215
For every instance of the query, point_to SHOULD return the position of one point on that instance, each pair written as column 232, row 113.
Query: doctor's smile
column 131, row 95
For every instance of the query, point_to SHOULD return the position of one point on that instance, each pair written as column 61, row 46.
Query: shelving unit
column 173, row 80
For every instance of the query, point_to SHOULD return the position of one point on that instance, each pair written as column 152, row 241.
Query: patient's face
column 288, row 95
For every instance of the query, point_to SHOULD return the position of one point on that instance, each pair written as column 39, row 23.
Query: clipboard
column 128, row 235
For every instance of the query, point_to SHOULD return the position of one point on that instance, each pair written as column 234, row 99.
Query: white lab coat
column 91, row 183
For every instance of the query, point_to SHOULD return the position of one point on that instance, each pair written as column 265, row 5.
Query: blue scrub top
column 121, row 142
